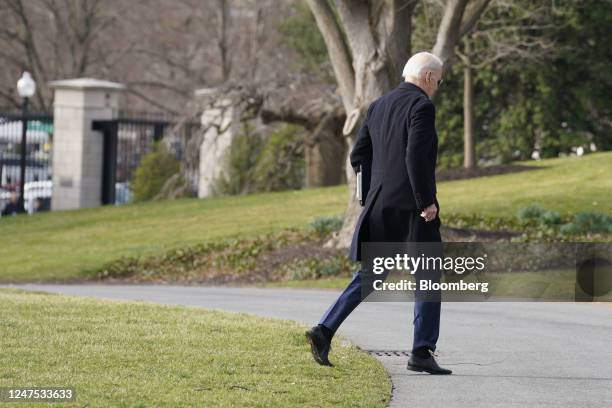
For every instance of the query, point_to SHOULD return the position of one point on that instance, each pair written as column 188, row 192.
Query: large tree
column 517, row 30
column 368, row 42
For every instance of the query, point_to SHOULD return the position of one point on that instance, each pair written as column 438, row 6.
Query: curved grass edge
column 136, row 353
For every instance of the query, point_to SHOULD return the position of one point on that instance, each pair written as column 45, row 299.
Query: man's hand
column 429, row 213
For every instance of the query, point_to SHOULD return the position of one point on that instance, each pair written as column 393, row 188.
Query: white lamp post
column 26, row 87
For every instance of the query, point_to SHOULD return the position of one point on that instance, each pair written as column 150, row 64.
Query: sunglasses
column 439, row 81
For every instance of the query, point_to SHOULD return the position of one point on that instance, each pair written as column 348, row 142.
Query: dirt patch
column 269, row 263
column 461, row 173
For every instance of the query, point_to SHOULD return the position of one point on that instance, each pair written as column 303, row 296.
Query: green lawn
column 61, row 245
column 567, row 185
column 137, row 354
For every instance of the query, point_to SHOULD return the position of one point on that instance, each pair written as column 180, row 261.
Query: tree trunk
column 377, row 60
column 321, row 159
column 469, row 145
column 353, row 209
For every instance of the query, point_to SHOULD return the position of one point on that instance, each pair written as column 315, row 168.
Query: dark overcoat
column 398, row 142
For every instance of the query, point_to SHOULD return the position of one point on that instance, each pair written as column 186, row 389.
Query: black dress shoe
column 428, row 365
column 319, row 345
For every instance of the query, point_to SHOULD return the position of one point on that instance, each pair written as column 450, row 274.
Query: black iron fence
column 39, row 156
column 128, row 139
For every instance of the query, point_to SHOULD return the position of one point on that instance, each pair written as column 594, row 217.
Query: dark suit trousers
column 426, row 312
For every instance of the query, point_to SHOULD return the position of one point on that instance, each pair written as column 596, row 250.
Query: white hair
column 420, row 63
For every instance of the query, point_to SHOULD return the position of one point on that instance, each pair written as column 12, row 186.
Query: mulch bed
column 268, row 262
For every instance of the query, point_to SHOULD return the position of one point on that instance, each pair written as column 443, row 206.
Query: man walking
column 398, row 142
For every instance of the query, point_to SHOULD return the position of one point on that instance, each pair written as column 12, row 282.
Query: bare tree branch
column 472, row 15
column 222, row 38
column 448, row 31
column 337, row 49
column 152, row 101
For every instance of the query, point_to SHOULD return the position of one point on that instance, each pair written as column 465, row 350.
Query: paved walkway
column 502, row 354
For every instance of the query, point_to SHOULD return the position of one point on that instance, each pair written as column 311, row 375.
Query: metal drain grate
column 389, row 353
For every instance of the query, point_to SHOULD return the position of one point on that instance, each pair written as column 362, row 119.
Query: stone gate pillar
column 77, row 149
